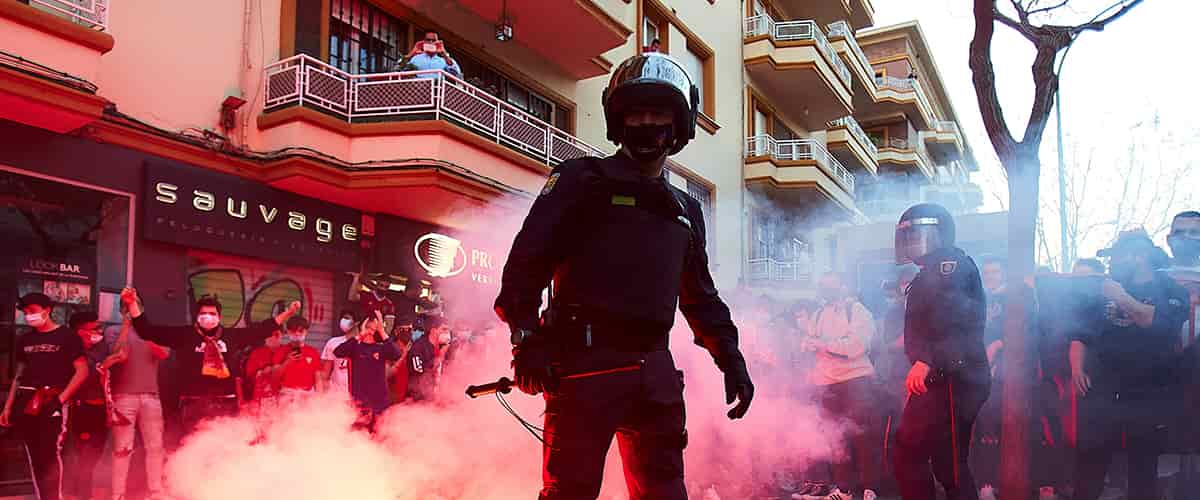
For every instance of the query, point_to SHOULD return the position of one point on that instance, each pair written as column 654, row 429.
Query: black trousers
column 193, row 410
column 643, row 408
column 86, row 436
column 43, row 436
column 935, row 430
column 1108, row 419
column 851, row 400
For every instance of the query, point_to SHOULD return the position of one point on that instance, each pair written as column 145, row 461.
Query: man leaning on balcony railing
column 429, row 54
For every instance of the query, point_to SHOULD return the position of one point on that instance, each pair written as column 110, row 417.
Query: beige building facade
column 811, row 116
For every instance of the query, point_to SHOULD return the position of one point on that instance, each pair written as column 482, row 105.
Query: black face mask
column 647, row 143
column 1122, row 272
column 1184, row 248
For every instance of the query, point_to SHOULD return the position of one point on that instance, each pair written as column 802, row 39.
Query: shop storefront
column 254, row 247
column 70, row 240
column 458, row 270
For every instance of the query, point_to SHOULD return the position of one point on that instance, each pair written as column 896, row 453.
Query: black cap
column 35, row 298
column 80, row 318
column 1133, row 241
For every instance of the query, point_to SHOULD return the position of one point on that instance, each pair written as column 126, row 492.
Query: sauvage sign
column 204, row 209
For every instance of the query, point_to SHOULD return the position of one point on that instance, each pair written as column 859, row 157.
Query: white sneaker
column 987, row 492
column 837, row 494
column 869, row 495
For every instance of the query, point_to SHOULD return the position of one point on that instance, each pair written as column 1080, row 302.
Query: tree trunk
column 1019, row 354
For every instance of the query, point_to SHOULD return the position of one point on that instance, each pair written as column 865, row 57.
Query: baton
column 504, row 385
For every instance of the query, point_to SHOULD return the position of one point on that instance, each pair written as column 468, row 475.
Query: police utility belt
column 572, row 327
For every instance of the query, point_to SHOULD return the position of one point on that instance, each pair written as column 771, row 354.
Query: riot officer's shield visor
column 916, row 238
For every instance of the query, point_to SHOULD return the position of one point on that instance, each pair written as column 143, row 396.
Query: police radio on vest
column 206, row 202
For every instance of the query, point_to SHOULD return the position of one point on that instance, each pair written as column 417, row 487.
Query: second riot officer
column 623, row 248
column 943, row 338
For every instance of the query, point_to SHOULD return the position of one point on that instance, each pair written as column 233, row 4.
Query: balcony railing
column 842, row 29
column 798, row 30
column 304, row 81
column 767, row 269
column 859, row 135
column 801, row 149
column 946, row 127
column 90, row 13
column 905, row 85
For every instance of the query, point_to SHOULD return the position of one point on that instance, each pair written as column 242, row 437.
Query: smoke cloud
column 462, row 448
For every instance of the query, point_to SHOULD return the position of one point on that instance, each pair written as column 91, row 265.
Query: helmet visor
column 916, row 238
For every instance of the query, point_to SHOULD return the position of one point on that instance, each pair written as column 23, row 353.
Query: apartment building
column 262, row 149
column 846, row 124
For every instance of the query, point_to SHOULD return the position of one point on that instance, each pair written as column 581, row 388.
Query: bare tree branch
column 1098, row 23
column 1047, row 9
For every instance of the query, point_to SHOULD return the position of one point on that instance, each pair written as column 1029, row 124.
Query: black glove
column 531, row 366
column 49, row 407
column 737, row 386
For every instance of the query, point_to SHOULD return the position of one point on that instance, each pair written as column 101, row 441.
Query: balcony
column 843, row 40
column 570, row 35
column 903, row 95
column 798, row 163
column 850, row 144
column 797, row 68
column 794, row 272
column 860, row 13
column 50, row 55
column 367, row 104
column 945, row 142
column 903, row 154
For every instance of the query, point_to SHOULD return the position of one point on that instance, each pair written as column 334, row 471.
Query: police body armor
column 626, row 234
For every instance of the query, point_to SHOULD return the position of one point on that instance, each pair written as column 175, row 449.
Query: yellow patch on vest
column 627, row 201
column 550, row 184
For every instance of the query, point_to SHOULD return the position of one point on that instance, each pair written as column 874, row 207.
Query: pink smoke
column 461, row 448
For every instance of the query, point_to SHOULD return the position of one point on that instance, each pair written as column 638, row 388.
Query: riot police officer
column 943, row 338
column 622, row 248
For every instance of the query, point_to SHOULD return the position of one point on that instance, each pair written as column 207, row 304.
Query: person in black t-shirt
column 88, row 429
column 369, row 354
column 425, row 359
column 207, row 370
column 50, row 369
column 1122, row 368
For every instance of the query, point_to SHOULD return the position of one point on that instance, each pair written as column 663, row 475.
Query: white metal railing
column 899, row 143
column 857, row 132
column 303, row 80
column 763, row 24
column 946, row 126
column 768, row 269
column 91, row 13
column 801, row 149
column 906, row 85
column 842, row 29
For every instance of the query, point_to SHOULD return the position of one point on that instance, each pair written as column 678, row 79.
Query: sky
column 1125, row 101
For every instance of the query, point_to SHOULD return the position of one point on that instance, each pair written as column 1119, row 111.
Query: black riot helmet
column 652, row 79
column 922, row 229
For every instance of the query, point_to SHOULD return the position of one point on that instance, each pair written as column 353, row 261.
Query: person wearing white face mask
column 87, row 431
column 337, row 371
column 205, row 350
column 50, row 369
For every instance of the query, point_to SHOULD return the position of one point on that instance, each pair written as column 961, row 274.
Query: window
column 781, row 131
column 362, row 38
column 649, row 31
column 695, row 68
column 695, row 56
column 481, row 75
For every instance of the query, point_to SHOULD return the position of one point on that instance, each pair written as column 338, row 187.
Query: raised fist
column 129, row 296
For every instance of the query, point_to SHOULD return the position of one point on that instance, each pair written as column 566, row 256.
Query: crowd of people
column 78, row 389
column 1110, row 373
